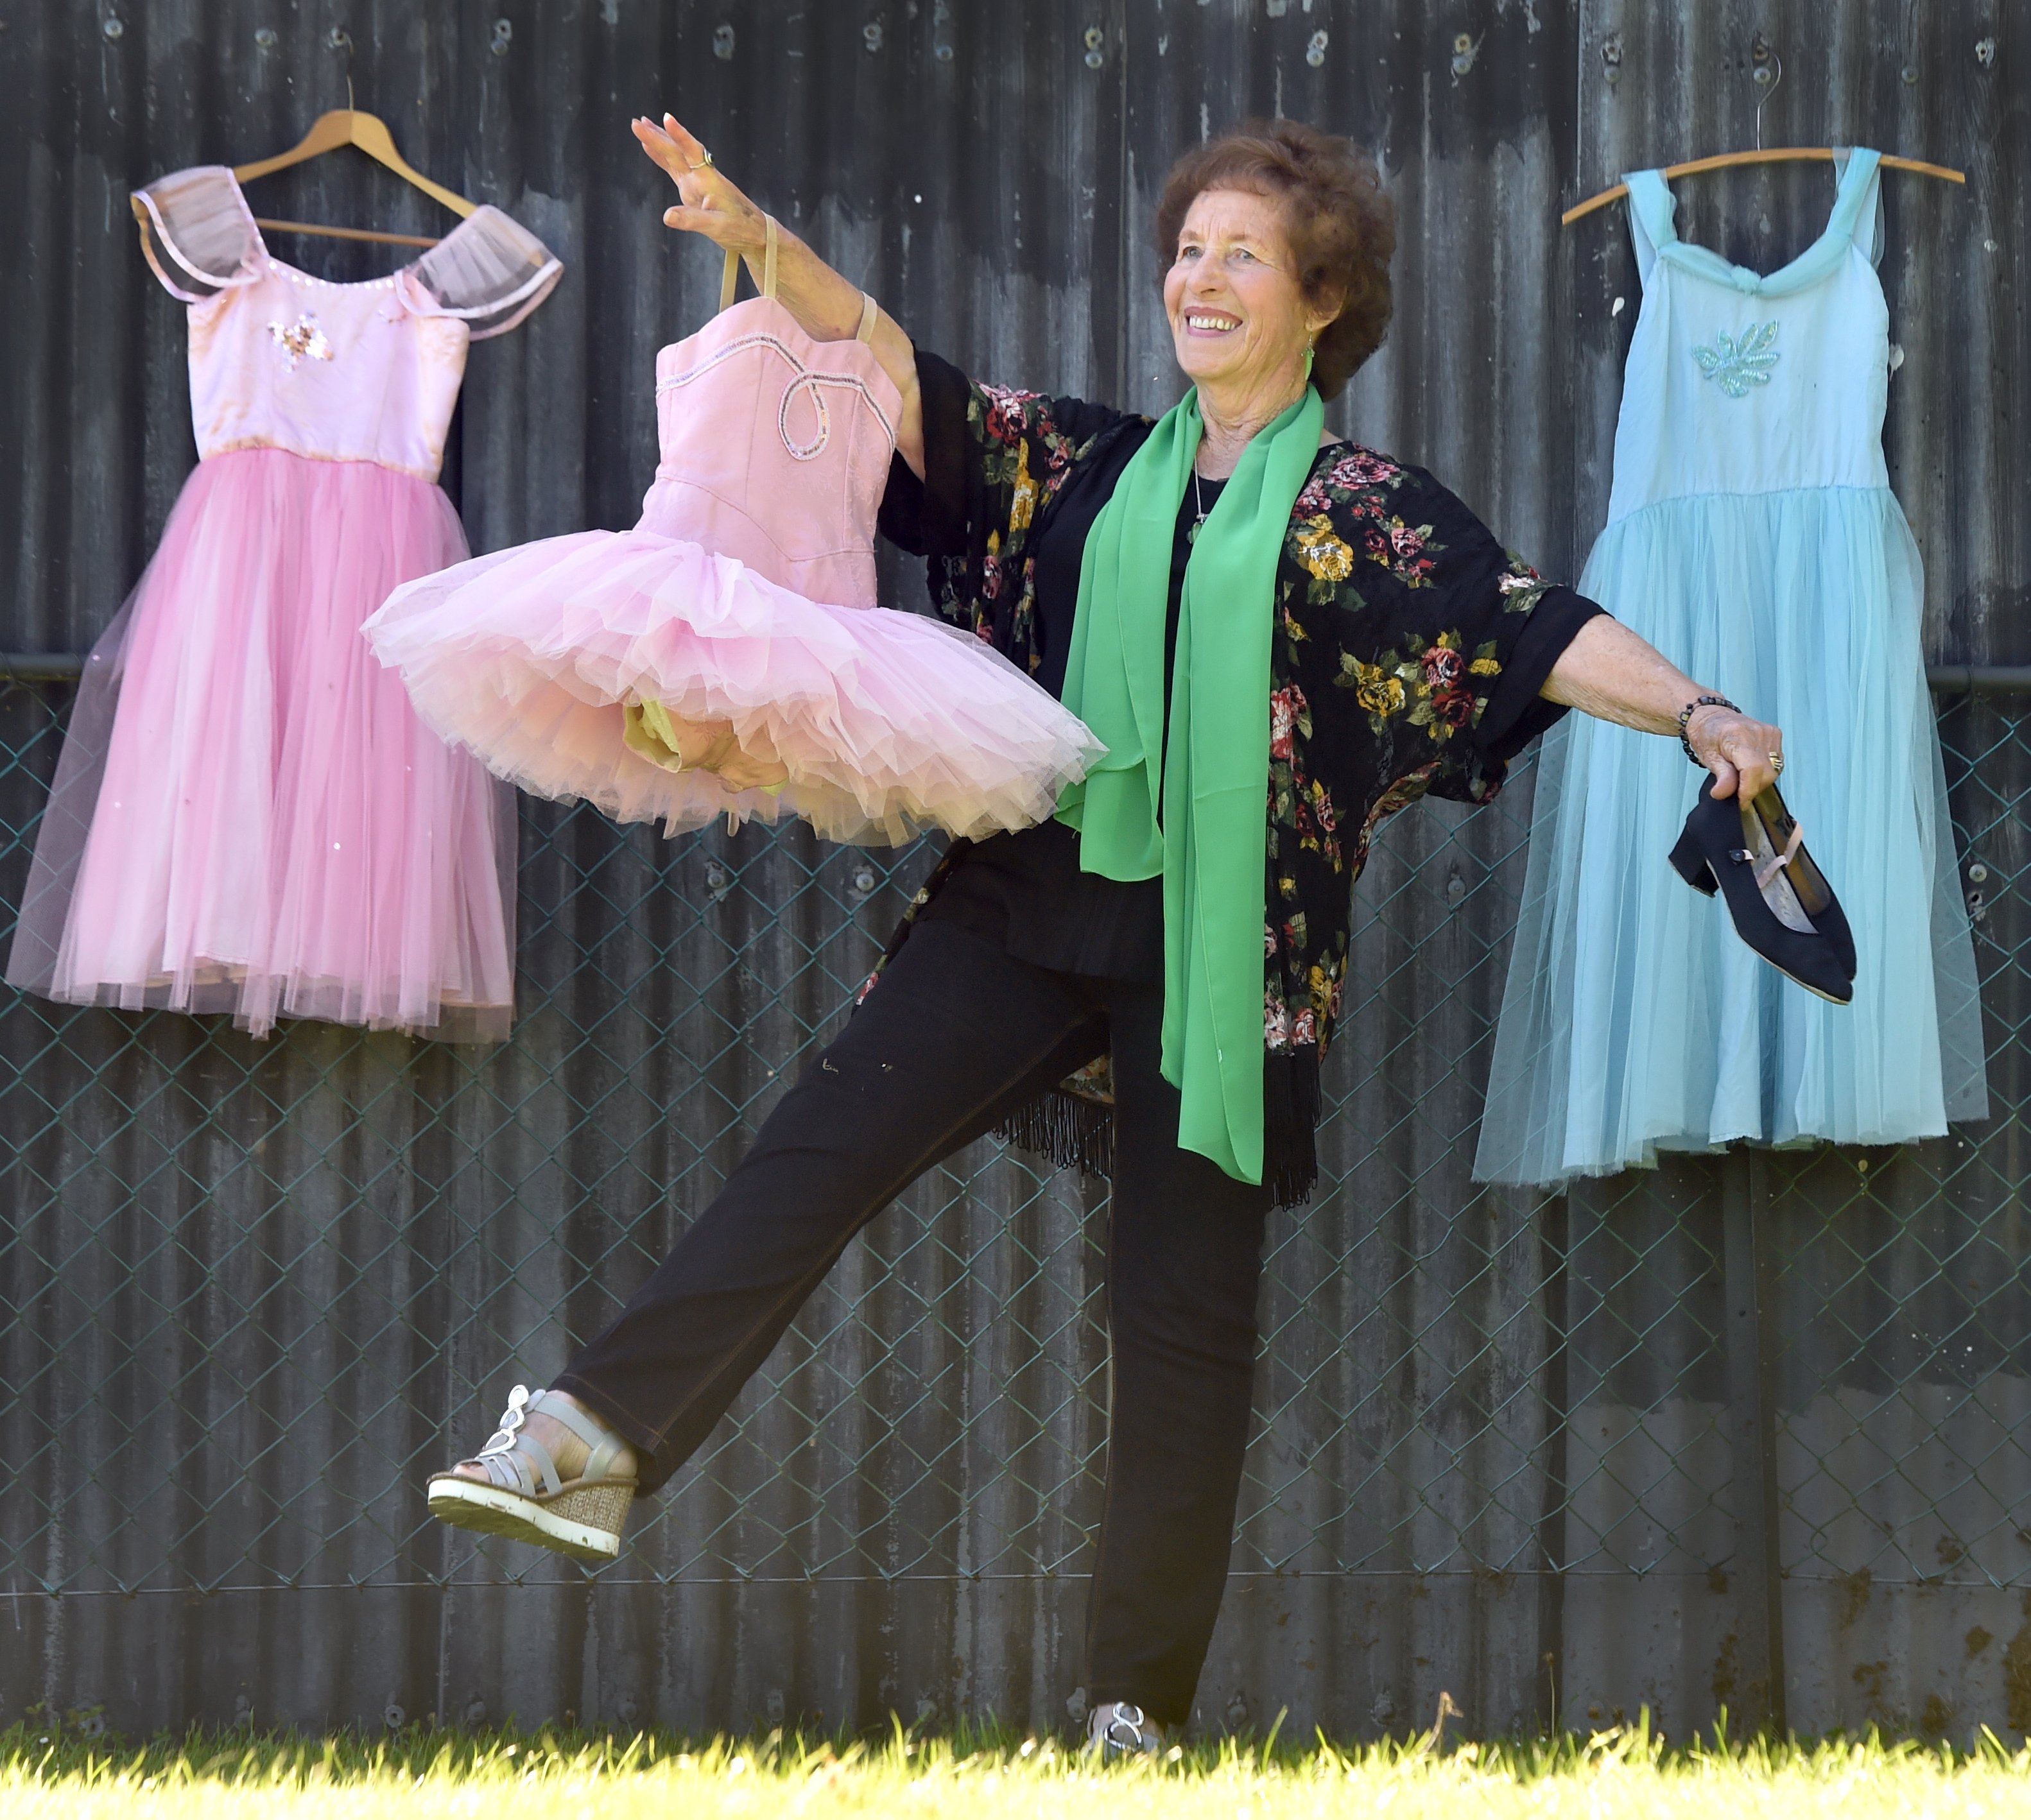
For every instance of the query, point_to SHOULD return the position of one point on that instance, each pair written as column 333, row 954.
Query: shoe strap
column 510, row 1467
column 603, row 1441
column 510, row 1453
column 1766, row 872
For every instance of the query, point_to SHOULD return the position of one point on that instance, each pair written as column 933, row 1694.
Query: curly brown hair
column 1339, row 219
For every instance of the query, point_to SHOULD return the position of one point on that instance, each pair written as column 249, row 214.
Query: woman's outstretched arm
column 826, row 306
column 1610, row 672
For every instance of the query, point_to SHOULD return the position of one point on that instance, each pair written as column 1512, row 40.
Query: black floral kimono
column 1408, row 650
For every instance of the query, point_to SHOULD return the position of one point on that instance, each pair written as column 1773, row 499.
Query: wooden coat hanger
column 352, row 126
column 1776, row 154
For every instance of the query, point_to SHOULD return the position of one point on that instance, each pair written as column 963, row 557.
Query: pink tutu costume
column 746, row 597
column 248, row 817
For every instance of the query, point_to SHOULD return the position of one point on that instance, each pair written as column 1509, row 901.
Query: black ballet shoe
column 1782, row 906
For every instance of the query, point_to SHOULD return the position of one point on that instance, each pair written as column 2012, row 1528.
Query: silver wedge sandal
column 522, row 1496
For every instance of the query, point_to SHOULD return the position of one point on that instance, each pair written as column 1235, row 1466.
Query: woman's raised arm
column 826, row 306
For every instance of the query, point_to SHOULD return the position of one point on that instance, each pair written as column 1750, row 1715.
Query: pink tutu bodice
column 775, row 451
column 743, row 599
column 249, row 816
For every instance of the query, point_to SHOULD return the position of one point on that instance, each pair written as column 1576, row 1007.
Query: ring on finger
column 1777, row 759
column 703, row 164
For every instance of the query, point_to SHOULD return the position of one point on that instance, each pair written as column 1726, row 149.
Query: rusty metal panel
column 1544, row 1456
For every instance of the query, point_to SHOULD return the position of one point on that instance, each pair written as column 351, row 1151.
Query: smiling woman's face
column 1240, row 320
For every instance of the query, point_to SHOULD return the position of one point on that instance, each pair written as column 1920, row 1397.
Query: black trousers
column 956, row 1035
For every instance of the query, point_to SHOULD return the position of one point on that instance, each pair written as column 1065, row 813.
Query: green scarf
column 1211, row 765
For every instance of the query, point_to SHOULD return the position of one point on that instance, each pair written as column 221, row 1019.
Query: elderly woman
column 1281, row 638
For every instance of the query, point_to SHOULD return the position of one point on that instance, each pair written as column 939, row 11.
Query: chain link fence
column 250, row 1293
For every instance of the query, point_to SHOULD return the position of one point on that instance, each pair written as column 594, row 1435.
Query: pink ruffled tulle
column 248, row 815
column 888, row 722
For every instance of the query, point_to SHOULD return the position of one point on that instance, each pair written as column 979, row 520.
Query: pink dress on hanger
column 745, row 596
column 248, row 816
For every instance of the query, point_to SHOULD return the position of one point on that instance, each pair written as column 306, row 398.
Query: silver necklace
column 1198, row 502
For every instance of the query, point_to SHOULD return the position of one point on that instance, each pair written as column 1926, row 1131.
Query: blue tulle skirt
column 1634, row 1020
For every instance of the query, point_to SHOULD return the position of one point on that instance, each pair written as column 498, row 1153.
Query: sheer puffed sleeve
column 201, row 223
column 490, row 271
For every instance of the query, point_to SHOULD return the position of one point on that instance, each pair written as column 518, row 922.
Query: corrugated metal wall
column 250, row 1285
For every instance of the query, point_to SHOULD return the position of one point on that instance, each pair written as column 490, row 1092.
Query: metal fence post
column 1758, row 1569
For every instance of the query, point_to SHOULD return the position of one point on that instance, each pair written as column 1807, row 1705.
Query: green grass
column 62, row 1774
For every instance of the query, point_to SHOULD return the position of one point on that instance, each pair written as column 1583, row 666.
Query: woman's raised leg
column 955, row 1035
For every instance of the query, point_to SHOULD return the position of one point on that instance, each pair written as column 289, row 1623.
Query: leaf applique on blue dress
column 1735, row 363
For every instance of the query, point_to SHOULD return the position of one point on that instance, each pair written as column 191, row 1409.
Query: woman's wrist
column 826, row 304
column 1701, row 708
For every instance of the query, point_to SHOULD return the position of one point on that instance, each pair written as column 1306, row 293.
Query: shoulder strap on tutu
column 730, row 273
column 203, row 223
column 490, row 270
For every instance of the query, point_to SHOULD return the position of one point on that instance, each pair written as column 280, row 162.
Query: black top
column 1025, row 891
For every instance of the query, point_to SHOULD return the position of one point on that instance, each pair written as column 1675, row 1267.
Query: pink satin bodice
column 339, row 372
column 775, row 450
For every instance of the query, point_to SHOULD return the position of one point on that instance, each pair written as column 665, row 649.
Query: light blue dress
column 1753, row 537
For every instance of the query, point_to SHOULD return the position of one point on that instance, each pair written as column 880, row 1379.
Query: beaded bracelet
column 1686, row 715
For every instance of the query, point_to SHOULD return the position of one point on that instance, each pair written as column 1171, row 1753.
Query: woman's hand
column 712, row 203
column 1608, row 671
column 1744, row 755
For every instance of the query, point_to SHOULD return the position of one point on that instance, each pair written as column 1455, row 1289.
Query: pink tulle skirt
column 888, row 723
column 248, row 817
